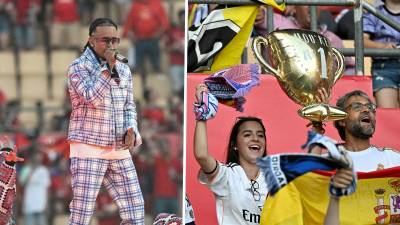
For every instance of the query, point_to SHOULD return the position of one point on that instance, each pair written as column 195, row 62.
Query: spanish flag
column 305, row 200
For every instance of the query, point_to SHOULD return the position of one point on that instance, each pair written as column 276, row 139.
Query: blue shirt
column 380, row 31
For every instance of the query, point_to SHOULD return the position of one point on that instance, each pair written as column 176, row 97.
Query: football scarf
column 230, row 85
column 280, row 169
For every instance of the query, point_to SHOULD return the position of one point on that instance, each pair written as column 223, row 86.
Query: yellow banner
column 305, row 200
column 230, row 55
column 272, row 3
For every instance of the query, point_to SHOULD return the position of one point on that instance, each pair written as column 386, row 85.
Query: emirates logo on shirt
column 250, row 217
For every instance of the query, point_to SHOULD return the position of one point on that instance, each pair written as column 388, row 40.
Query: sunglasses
column 358, row 106
column 109, row 40
column 254, row 190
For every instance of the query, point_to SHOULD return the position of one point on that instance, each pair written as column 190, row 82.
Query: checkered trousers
column 120, row 179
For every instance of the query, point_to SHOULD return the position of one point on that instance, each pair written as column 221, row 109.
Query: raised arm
column 342, row 179
column 208, row 164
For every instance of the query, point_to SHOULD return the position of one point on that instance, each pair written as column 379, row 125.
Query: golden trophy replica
column 302, row 61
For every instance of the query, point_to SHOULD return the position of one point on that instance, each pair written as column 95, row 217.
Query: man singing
column 103, row 128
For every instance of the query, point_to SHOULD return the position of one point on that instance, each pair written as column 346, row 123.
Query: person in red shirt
column 145, row 25
column 65, row 25
column 3, row 101
column 176, row 48
column 6, row 8
column 168, row 173
column 25, row 21
column 152, row 111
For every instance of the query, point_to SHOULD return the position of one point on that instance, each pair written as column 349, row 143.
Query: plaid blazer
column 102, row 108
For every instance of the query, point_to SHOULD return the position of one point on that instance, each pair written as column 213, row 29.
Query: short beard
column 358, row 131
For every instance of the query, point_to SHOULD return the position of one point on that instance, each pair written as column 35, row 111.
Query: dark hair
column 232, row 154
column 99, row 22
column 341, row 104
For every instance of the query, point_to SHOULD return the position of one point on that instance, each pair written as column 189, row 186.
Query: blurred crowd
column 63, row 17
column 44, row 190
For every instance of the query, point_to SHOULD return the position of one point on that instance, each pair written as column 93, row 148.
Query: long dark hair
column 232, row 154
column 98, row 23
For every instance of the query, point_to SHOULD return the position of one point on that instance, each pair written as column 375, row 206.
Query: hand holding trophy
column 302, row 61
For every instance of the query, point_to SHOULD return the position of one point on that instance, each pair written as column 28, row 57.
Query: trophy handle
column 257, row 41
column 340, row 65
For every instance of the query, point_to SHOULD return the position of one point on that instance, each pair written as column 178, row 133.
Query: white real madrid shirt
column 233, row 192
column 373, row 158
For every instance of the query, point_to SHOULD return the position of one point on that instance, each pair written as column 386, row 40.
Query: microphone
column 120, row 57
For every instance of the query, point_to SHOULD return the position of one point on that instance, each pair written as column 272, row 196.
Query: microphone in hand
column 120, row 57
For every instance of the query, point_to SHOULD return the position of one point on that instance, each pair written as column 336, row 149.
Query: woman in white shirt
column 237, row 184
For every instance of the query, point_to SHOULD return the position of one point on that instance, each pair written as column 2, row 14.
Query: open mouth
column 255, row 147
column 366, row 119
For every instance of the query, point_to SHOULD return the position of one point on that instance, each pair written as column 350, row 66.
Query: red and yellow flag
column 304, row 201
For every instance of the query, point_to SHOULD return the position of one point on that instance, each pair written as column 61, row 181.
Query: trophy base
column 322, row 113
